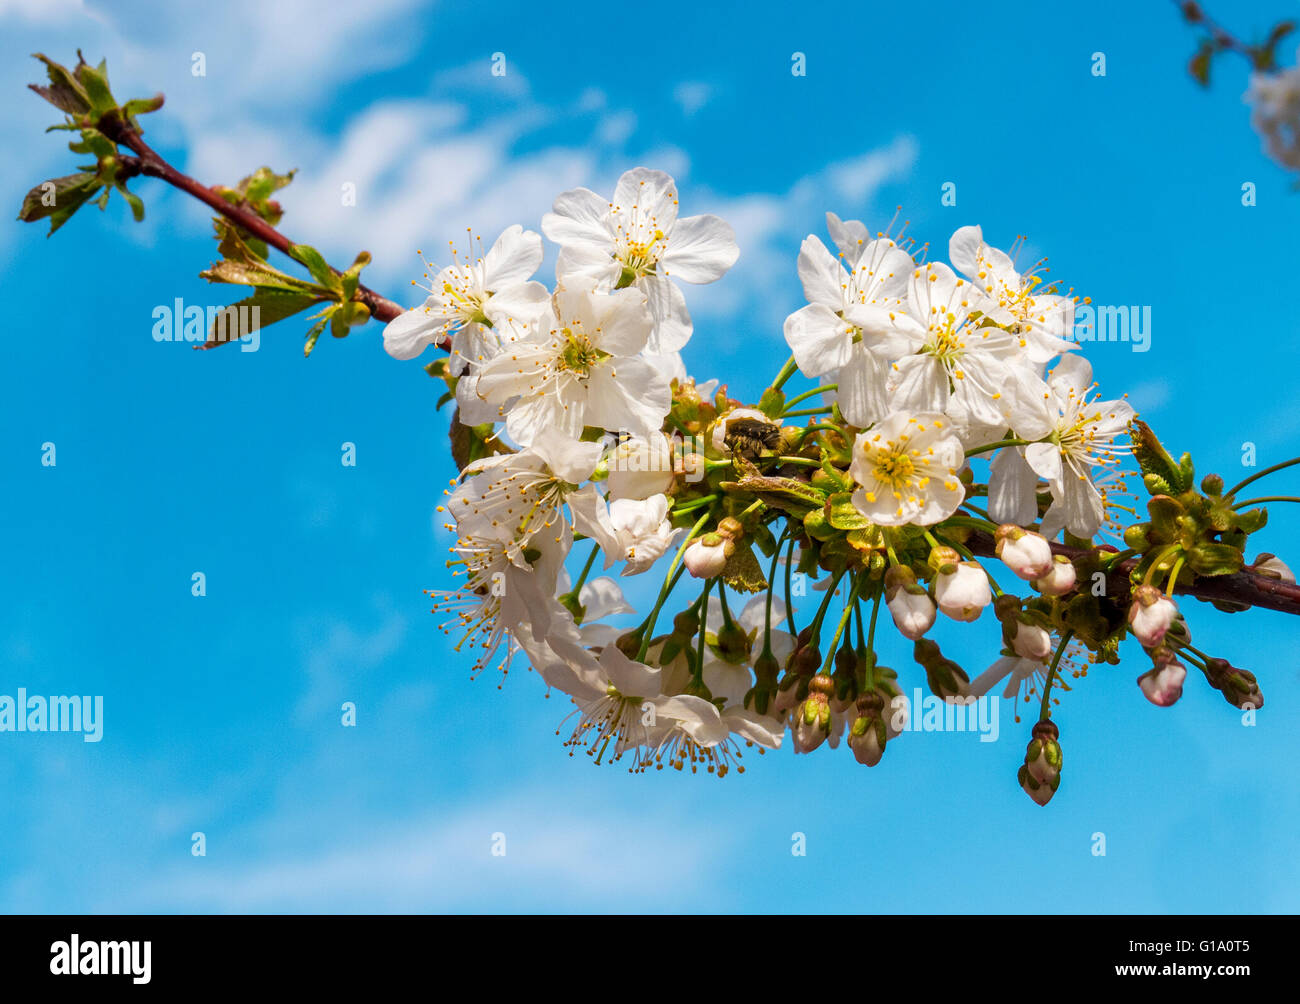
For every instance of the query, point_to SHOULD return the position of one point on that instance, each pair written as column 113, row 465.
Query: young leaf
column 59, row 202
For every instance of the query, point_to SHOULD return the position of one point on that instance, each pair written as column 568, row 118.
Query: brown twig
column 149, row 163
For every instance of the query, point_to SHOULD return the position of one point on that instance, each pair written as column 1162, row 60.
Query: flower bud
column 762, row 694
column 1060, row 578
column 733, row 643
column 945, row 677
column 963, row 592
column 845, row 678
column 1238, row 686
column 707, row 556
column 1029, row 641
column 1150, row 615
column 812, row 720
column 867, row 734
column 1163, row 685
column 1027, row 554
column 909, row 604
column 1040, row 774
column 1273, row 567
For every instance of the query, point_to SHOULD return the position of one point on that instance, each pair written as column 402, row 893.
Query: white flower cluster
column 1274, row 98
column 936, row 363
column 924, row 367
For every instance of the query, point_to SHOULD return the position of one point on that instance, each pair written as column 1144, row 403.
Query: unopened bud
column 963, row 592
column 812, row 721
column 1150, row 615
column 945, row 677
column 909, row 604
column 1060, row 578
column 1040, row 774
column 707, row 556
column 1163, row 685
column 1238, row 686
column 1273, row 567
column 1027, row 554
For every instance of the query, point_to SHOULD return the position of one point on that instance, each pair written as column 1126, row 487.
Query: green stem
column 694, row 504
column 1046, row 709
column 586, row 570
column 1173, row 575
column 1265, row 498
column 807, row 411
column 771, row 575
column 704, row 611
column 789, row 572
column 849, row 604
column 1267, row 470
column 825, row 605
column 987, row 447
column 809, row 393
column 970, row 521
column 669, row 582
column 871, row 639
column 787, row 371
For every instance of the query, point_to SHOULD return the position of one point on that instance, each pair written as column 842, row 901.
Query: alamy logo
column 53, row 714
column 102, row 958
column 178, row 323
column 1091, row 323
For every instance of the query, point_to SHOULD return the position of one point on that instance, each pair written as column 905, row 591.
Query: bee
column 748, row 437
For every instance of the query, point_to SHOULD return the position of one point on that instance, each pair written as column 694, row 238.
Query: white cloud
column 445, row 862
column 336, row 654
column 692, row 95
column 770, row 227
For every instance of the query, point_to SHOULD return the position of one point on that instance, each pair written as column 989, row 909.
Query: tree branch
column 150, row 164
column 1244, row 587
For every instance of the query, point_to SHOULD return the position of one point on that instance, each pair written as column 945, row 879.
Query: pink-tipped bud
column 1060, row 578
column 1150, row 615
column 1163, row 685
column 1027, row 554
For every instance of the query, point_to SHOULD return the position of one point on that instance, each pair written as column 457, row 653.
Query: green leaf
column 1214, row 559
column 843, row 515
column 141, row 106
column 317, row 266
column 272, row 305
column 312, row 336
column 1153, row 458
column 64, row 92
column 94, row 80
column 1199, row 66
column 134, row 201
column 787, row 494
column 68, row 194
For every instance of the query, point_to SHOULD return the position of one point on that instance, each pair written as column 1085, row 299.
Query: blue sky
column 222, row 712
